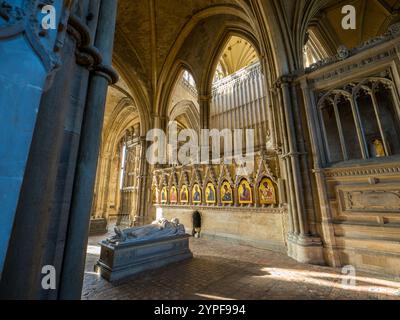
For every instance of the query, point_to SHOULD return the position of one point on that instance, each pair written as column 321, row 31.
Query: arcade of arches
column 323, row 104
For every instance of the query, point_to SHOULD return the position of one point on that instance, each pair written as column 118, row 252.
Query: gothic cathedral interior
column 267, row 131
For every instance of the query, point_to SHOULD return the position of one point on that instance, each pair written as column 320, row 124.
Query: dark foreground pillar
column 30, row 73
column 78, row 229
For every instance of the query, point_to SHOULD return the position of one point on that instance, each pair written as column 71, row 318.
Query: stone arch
column 123, row 116
column 208, row 76
column 173, row 179
column 246, row 23
column 210, row 176
column 196, row 177
column 172, row 61
column 183, row 179
column 314, row 15
column 138, row 94
column 187, row 109
column 168, row 89
column 264, row 81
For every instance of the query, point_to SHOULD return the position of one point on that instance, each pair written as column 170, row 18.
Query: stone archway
column 121, row 116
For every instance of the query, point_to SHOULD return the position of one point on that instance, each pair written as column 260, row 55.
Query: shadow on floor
column 220, row 270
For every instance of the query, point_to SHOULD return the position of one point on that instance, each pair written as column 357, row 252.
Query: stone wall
column 359, row 192
column 365, row 206
column 262, row 228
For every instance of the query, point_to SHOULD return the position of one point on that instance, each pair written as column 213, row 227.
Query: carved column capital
column 205, row 98
column 86, row 54
column 107, row 72
column 285, row 80
column 15, row 20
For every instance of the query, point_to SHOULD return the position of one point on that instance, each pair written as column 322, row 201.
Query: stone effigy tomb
column 135, row 250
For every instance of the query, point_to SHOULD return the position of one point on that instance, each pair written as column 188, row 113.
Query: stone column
column 144, row 190
column 98, row 221
column 379, row 121
column 293, row 218
column 82, row 27
column 303, row 159
column 27, row 66
column 75, row 251
column 204, row 103
column 292, row 156
column 340, row 128
column 305, row 246
column 29, row 138
column 133, row 183
column 359, row 126
column 317, row 146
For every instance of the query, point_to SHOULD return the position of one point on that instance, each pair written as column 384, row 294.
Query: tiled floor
column 220, row 270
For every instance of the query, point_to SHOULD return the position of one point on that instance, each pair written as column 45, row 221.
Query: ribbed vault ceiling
column 237, row 55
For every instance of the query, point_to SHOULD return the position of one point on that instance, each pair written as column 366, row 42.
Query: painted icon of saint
column 210, row 193
column 184, row 195
column 211, row 196
column 267, row 192
column 245, row 195
column 196, row 194
column 174, row 195
column 226, row 194
column 164, row 195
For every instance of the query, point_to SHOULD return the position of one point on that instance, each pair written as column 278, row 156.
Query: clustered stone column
column 144, row 183
column 128, row 199
column 205, row 105
column 46, row 228
column 317, row 147
column 303, row 242
column 105, row 186
column 85, row 176
column 29, row 60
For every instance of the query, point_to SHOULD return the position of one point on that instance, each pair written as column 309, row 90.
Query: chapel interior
column 77, row 104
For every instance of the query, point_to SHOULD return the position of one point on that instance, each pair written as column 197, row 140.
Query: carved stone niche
column 369, row 199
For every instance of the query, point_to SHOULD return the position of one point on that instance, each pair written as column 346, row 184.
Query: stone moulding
column 125, row 260
column 361, row 171
column 79, row 30
column 107, row 72
column 370, row 200
column 264, row 210
column 233, row 79
column 86, row 54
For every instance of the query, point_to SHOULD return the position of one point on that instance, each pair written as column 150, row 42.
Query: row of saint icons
column 266, row 194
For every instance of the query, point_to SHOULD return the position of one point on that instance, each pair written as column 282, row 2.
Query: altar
column 136, row 250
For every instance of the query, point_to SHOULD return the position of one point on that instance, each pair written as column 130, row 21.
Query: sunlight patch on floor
column 211, row 297
column 95, row 250
column 332, row 280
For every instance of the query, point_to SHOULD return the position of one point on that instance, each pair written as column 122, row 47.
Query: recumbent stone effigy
column 134, row 250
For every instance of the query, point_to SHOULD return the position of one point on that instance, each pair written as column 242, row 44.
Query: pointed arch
column 214, row 59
